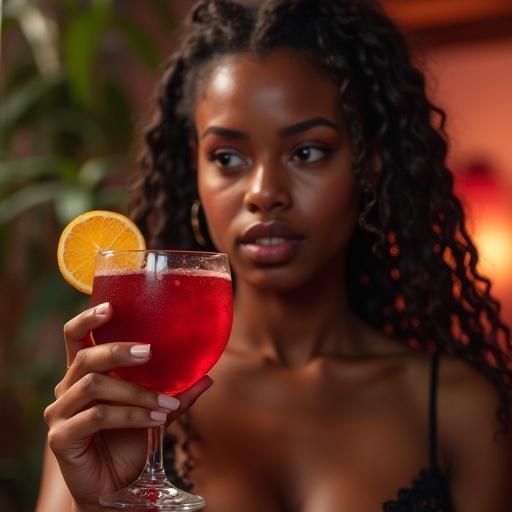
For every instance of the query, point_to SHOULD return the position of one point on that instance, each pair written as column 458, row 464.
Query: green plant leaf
column 26, row 198
column 71, row 135
column 67, row 171
column 18, row 102
column 82, row 40
column 93, row 171
column 23, row 169
column 60, row 122
column 139, row 41
column 3, row 248
column 8, row 20
column 111, row 198
column 13, row 9
column 116, row 115
column 52, row 296
column 72, row 201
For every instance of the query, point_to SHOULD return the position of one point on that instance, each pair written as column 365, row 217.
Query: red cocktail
column 184, row 315
column 181, row 304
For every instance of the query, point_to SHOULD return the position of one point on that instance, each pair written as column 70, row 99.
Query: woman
column 366, row 369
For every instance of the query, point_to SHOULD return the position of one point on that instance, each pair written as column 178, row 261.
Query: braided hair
column 412, row 267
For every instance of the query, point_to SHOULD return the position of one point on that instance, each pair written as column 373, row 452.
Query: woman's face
column 274, row 168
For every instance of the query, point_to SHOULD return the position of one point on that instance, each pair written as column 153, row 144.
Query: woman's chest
column 303, row 446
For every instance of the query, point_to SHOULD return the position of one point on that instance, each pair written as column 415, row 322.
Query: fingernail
column 168, row 402
column 101, row 309
column 140, row 351
column 158, row 416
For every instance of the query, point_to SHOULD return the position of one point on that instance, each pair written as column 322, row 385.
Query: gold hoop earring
column 194, row 222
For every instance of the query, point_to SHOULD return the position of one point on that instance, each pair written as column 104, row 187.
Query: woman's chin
column 277, row 278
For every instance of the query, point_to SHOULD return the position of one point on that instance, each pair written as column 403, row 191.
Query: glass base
column 153, row 493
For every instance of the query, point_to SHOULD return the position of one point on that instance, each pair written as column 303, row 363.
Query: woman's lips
column 270, row 243
column 272, row 254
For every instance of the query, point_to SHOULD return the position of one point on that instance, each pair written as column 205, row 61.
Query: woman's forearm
column 53, row 493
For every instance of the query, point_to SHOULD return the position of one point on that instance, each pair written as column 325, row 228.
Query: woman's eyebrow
column 225, row 132
column 307, row 125
column 287, row 131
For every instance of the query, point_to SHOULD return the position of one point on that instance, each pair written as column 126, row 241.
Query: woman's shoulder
column 466, row 394
column 468, row 423
column 467, row 401
column 462, row 390
column 475, row 443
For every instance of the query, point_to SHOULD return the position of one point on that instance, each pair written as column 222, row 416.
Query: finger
column 188, row 397
column 73, row 432
column 96, row 387
column 101, row 359
column 78, row 328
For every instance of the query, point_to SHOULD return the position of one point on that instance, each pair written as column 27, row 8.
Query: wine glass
column 182, row 304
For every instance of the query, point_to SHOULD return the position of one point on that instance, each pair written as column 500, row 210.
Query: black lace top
column 429, row 492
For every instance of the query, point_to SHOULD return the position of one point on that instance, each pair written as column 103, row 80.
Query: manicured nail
column 168, row 402
column 140, row 351
column 158, row 416
column 101, row 309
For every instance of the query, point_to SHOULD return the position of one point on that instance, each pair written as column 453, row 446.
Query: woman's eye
column 226, row 159
column 309, row 154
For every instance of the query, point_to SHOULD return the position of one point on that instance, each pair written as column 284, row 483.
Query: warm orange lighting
column 489, row 210
column 494, row 243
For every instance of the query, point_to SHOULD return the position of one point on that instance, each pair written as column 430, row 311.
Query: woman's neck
column 291, row 328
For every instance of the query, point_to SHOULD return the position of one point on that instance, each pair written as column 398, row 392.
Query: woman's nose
column 267, row 190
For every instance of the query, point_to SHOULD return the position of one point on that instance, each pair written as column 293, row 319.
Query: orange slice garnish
column 88, row 234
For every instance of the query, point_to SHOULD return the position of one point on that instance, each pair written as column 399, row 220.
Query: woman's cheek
column 217, row 209
column 338, row 212
column 217, row 225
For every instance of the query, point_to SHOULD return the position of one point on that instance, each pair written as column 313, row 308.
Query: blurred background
column 76, row 81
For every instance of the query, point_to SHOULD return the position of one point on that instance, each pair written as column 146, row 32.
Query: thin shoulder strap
column 433, row 410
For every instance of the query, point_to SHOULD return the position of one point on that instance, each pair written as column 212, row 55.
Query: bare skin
column 97, row 423
column 311, row 409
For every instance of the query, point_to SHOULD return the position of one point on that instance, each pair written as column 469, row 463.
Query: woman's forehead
column 279, row 83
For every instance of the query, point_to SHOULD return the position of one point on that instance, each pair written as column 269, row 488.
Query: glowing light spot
column 494, row 243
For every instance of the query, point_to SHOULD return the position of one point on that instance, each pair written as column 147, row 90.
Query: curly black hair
column 412, row 267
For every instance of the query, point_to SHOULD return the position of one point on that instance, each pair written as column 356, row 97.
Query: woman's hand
column 97, row 423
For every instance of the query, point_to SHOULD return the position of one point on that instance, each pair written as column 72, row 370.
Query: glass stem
column 154, row 461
